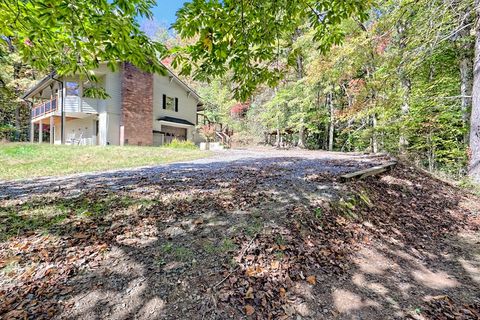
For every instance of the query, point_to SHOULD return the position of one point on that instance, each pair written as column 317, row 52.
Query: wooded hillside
column 399, row 80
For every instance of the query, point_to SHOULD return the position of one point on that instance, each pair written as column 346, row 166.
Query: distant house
column 142, row 109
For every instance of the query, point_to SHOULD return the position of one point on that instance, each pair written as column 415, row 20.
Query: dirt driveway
column 255, row 234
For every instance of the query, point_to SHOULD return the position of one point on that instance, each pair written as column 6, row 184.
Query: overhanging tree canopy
column 244, row 36
column 75, row 36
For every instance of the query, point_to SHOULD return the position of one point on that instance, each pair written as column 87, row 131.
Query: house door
column 174, row 133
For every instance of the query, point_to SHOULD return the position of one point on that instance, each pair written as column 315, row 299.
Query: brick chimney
column 137, row 106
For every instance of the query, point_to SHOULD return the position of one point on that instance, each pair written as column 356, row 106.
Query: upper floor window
column 170, row 103
column 73, row 88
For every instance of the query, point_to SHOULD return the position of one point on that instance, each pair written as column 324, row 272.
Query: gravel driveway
column 306, row 161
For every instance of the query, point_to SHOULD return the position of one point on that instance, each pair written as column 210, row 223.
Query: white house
column 142, row 109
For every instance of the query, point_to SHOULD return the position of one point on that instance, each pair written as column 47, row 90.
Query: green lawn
column 25, row 160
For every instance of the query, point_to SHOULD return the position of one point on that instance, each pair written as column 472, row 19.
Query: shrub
column 181, row 144
column 208, row 132
column 7, row 132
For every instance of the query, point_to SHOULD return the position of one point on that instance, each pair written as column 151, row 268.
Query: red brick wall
column 137, row 105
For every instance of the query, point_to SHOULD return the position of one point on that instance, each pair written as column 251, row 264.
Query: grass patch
column 470, row 186
column 50, row 217
column 24, row 160
column 225, row 246
column 176, row 252
column 40, row 219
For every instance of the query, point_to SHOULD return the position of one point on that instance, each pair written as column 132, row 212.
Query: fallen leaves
column 249, row 294
column 312, row 280
column 8, row 261
column 41, row 267
column 275, row 264
column 249, row 310
column 444, row 307
column 269, row 269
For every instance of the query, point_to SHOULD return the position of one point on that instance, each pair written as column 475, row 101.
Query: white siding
column 113, row 87
column 113, row 129
column 89, row 105
column 72, row 104
column 187, row 105
column 110, row 109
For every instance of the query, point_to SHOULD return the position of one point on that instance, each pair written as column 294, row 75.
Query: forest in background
column 399, row 82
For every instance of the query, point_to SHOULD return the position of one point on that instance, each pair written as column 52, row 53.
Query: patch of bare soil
column 278, row 238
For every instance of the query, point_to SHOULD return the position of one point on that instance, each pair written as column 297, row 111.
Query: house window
column 73, row 88
column 170, row 103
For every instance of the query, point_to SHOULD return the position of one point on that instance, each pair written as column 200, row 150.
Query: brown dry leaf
column 283, row 292
column 44, row 254
column 102, row 247
column 8, row 261
column 275, row 264
column 80, row 235
column 249, row 294
column 253, row 271
column 198, row 221
column 312, row 280
column 249, row 310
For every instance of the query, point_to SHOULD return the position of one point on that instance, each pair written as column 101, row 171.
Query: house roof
column 49, row 77
column 182, row 83
column 175, row 120
column 40, row 84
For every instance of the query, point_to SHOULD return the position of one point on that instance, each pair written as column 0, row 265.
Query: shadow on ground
column 255, row 238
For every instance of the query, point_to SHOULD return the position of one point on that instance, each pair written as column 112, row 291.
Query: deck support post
column 52, row 132
column 32, row 132
column 122, row 135
column 40, row 131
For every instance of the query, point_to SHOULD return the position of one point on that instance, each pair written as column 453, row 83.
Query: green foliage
column 7, row 132
column 75, row 36
column 181, row 144
column 393, row 76
column 244, row 37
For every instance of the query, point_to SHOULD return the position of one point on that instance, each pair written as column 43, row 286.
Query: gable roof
column 40, row 84
column 182, row 83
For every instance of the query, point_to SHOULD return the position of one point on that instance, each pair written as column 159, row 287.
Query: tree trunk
column 301, row 130
column 17, row 66
column 277, row 142
column 332, row 119
column 474, row 152
column 405, row 83
column 374, row 134
column 465, row 49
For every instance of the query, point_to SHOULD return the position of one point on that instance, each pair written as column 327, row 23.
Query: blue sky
column 165, row 10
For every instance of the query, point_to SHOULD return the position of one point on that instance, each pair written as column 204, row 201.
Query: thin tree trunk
column 331, row 121
column 374, row 134
column 474, row 152
column 466, row 67
column 405, row 83
column 301, row 130
column 17, row 66
column 277, row 142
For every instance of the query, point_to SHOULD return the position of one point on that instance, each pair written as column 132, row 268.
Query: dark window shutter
column 176, row 104
column 164, row 102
